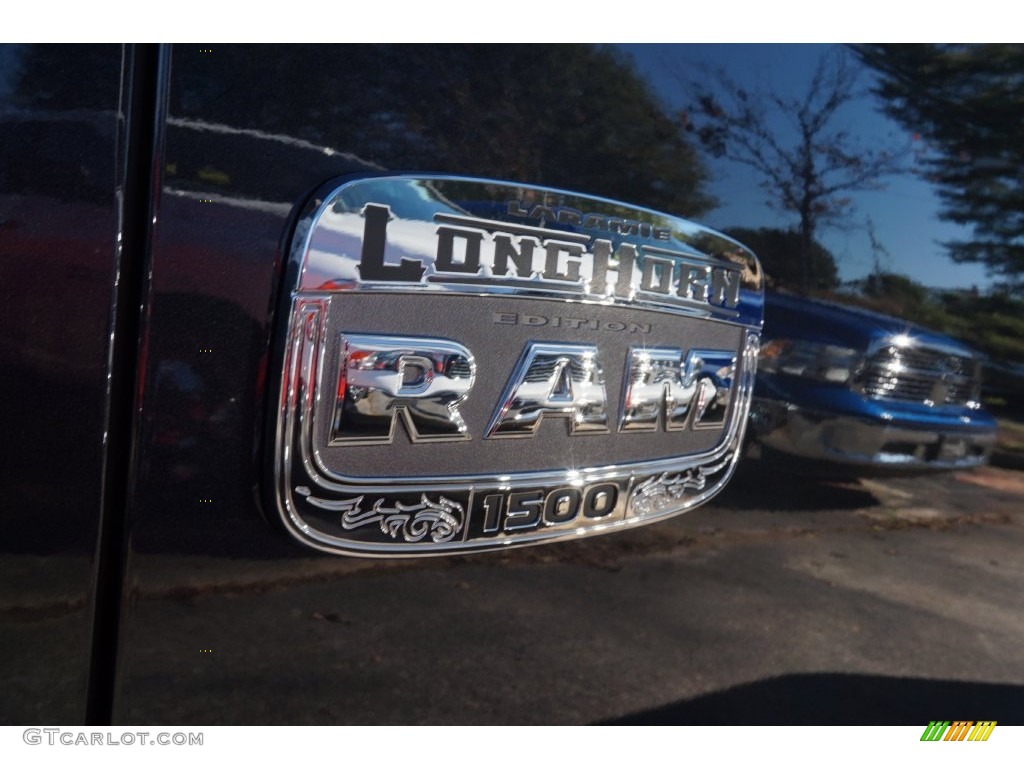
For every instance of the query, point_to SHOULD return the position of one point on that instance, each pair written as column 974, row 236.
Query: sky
column 905, row 213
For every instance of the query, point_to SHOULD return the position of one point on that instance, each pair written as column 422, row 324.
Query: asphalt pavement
column 788, row 599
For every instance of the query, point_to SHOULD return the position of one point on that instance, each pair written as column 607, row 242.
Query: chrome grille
column 921, row 375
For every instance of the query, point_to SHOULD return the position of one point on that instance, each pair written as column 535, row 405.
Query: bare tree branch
column 808, row 171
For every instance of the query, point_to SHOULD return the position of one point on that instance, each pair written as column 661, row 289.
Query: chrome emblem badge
column 467, row 365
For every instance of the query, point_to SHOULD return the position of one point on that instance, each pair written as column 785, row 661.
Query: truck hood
column 791, row 316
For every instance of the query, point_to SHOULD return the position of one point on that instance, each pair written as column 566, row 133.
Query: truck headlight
column 824, row 362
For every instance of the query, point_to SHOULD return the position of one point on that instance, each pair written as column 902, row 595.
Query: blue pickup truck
column 857, row 388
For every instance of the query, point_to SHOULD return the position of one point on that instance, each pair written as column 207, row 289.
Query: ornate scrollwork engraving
column 667, row 490
column 441, row 520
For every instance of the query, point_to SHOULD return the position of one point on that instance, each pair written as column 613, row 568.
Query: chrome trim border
column 420, row 516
